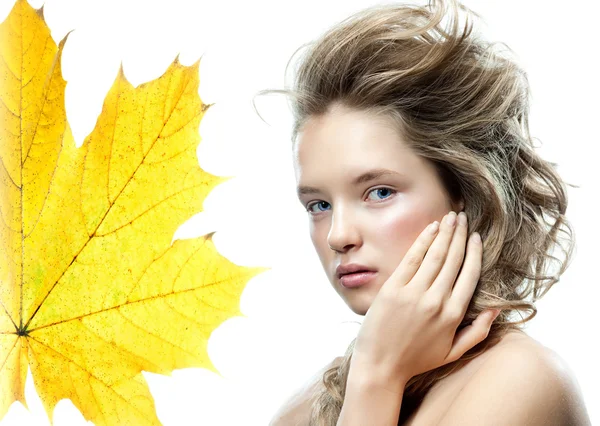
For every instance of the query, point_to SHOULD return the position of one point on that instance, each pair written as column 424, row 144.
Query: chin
column 358, row 309
column 358, row 302
column 361, row 312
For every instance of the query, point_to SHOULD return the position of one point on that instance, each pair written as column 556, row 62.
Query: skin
column 372, row 223
column 384, row 230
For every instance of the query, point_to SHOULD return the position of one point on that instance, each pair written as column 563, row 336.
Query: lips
column 355, row 272
column 357, row 279
column 351, row 268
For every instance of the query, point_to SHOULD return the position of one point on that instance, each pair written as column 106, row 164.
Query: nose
column 343, row 234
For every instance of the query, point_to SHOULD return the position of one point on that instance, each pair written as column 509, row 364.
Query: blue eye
column 325, row 203
column 383, row 189
column 309, row 207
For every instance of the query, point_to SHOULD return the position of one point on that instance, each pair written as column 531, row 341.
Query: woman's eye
column 324, row 205
column 318, row 203
column 382, row 190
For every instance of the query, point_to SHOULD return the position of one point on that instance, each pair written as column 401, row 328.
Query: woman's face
column 368, row 195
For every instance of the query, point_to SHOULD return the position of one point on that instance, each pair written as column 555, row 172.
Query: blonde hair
column 463, row 105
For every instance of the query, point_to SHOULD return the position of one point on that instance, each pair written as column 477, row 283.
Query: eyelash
column 309, row 205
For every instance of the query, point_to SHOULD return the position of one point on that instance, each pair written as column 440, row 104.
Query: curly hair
column 463, row 104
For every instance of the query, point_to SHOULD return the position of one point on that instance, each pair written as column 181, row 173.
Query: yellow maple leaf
column 92, row 290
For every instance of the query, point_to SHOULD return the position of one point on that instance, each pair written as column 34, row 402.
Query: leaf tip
column 61, row 44
column 223, row 179
column 214, row 369
column 21, row 399
column 257, row 270
column 205, row 107
column 121, row 80
column 196, row 65
column 261, row 269
column 40, row 11
column 121, row 73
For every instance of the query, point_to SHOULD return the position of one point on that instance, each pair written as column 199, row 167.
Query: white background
column 294, row 321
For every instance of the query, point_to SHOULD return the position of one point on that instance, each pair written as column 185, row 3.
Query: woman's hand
column 411, row 326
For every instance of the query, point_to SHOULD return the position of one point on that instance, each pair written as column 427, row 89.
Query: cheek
column 318, row 237
column 397, row 231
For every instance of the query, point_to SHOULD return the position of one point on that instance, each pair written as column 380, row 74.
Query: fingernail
column 434, row 227
column 476, row 237
column 451, row 218
column 462, row 218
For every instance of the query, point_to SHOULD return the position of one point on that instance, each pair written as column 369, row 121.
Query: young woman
column 434, row 217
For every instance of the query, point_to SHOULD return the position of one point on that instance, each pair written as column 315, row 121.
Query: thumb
column 472, row 334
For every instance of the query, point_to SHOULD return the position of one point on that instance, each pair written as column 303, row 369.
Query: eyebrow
column 367, row 176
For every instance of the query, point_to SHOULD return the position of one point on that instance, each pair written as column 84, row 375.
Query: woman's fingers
column 428, row 323
column 436, row 255
column 471, row 335
column 445, row 280
column 469, row 275
column 414, row 256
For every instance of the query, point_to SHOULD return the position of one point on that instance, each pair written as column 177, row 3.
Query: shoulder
column 296, row 409
column 520, row 382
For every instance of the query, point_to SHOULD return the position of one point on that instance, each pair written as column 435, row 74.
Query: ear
column 460, row 206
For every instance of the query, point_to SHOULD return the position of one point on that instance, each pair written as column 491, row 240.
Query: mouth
column 357, row 279
column 354, row 272
column 351, row 268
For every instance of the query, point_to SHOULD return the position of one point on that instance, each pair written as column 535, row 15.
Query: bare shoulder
column 520, row 382
column 295, row 411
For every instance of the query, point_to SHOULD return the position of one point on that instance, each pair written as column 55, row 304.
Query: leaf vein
column 144, row 300
column 9, row 110
column 47, row 192
column 149, row 209
column 110, row 387
column 8, row 354
column 39, row 64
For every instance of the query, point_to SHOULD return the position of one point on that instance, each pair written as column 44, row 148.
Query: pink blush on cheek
column 396, row 233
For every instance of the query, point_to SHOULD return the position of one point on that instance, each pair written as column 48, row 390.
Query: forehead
column 345, row 141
